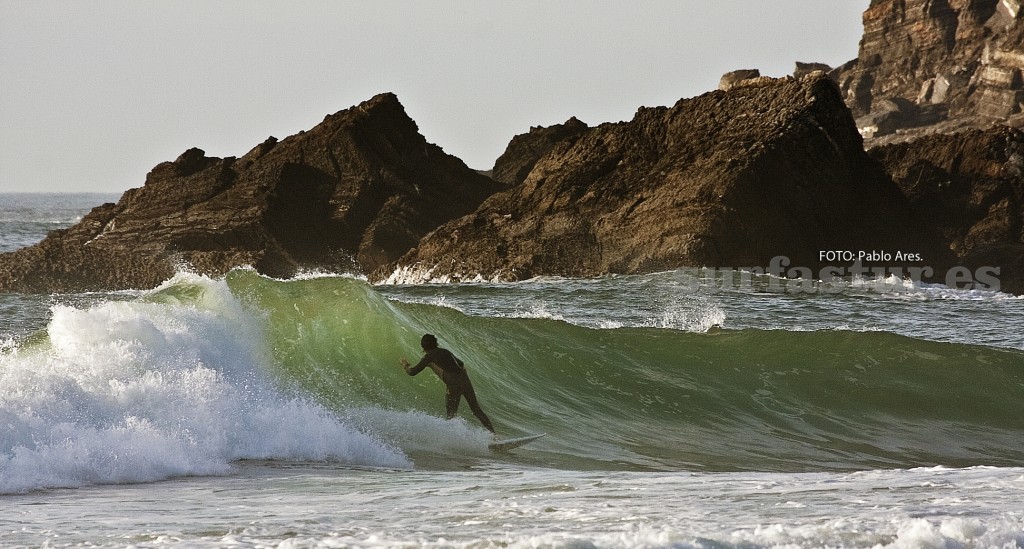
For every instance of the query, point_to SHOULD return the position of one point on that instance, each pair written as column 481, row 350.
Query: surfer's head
column 428, row 342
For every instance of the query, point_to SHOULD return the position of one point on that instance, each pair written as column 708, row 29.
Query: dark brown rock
column 958, row 61
column 727, row 179
column 970, row 186
column 512, row 167
column 355, row 192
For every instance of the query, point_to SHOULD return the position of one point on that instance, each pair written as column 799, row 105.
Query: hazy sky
column 95, row 93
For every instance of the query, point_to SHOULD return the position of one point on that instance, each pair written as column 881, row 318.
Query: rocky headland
column 909, row 149
column 353, row 193
column 771, row 167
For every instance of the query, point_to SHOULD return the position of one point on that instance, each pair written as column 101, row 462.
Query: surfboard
column 510, row 443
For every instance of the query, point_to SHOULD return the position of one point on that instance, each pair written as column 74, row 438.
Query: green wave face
column 649, row 398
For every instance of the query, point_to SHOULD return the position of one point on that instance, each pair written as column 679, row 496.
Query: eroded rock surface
column 970, row 187
column 522, row 153
column 728, row 179
column 936, row 66
column 353, row 193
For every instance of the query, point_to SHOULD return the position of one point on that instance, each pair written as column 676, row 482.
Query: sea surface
column 680, row 411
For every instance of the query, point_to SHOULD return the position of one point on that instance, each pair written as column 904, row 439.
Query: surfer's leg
column 452, row 395
column 470, row 395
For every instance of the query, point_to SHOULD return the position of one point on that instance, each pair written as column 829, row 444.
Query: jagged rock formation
column 760, row 168
column 805, row 69
column 512, row 167
column 356, row 191
column 936, row 65
column 970, row 186
column 732, row 78
column 727, row 179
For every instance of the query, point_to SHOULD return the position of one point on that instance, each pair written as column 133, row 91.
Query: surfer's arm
column 413, row 370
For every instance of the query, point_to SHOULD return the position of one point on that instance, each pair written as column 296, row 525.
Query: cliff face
column 523, row 152
column 970, row 186
column 943, row 65
column 728, row 179
column 355, row 192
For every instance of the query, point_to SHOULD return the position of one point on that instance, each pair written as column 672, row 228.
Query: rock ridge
column 970, row 186
column 734, row 178
column 351, row 194
column 929, row 66
column 728, row 179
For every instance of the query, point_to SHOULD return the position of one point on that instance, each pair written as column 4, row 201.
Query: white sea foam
column 137, row 391
column 689, row 315
column 911, row 289
column 318, row 274
column 415, row 431
column 512, row 505
column 536, row 308
column 421, row 274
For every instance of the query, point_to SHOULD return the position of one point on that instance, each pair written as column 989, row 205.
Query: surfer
column 452, row 372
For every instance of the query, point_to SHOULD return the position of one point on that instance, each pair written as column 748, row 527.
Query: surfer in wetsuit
column 452, row 372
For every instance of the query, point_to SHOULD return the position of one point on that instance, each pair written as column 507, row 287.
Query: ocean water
column 680, row 412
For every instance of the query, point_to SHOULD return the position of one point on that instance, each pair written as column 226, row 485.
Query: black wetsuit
column 452, row 372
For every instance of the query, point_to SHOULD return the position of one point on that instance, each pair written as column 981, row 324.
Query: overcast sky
column 95, row 93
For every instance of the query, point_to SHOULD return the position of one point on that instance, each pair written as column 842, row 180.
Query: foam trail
column 174, row 384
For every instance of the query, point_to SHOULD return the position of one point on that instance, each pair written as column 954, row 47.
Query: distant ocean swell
column 188, row 378
column 26, row 217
